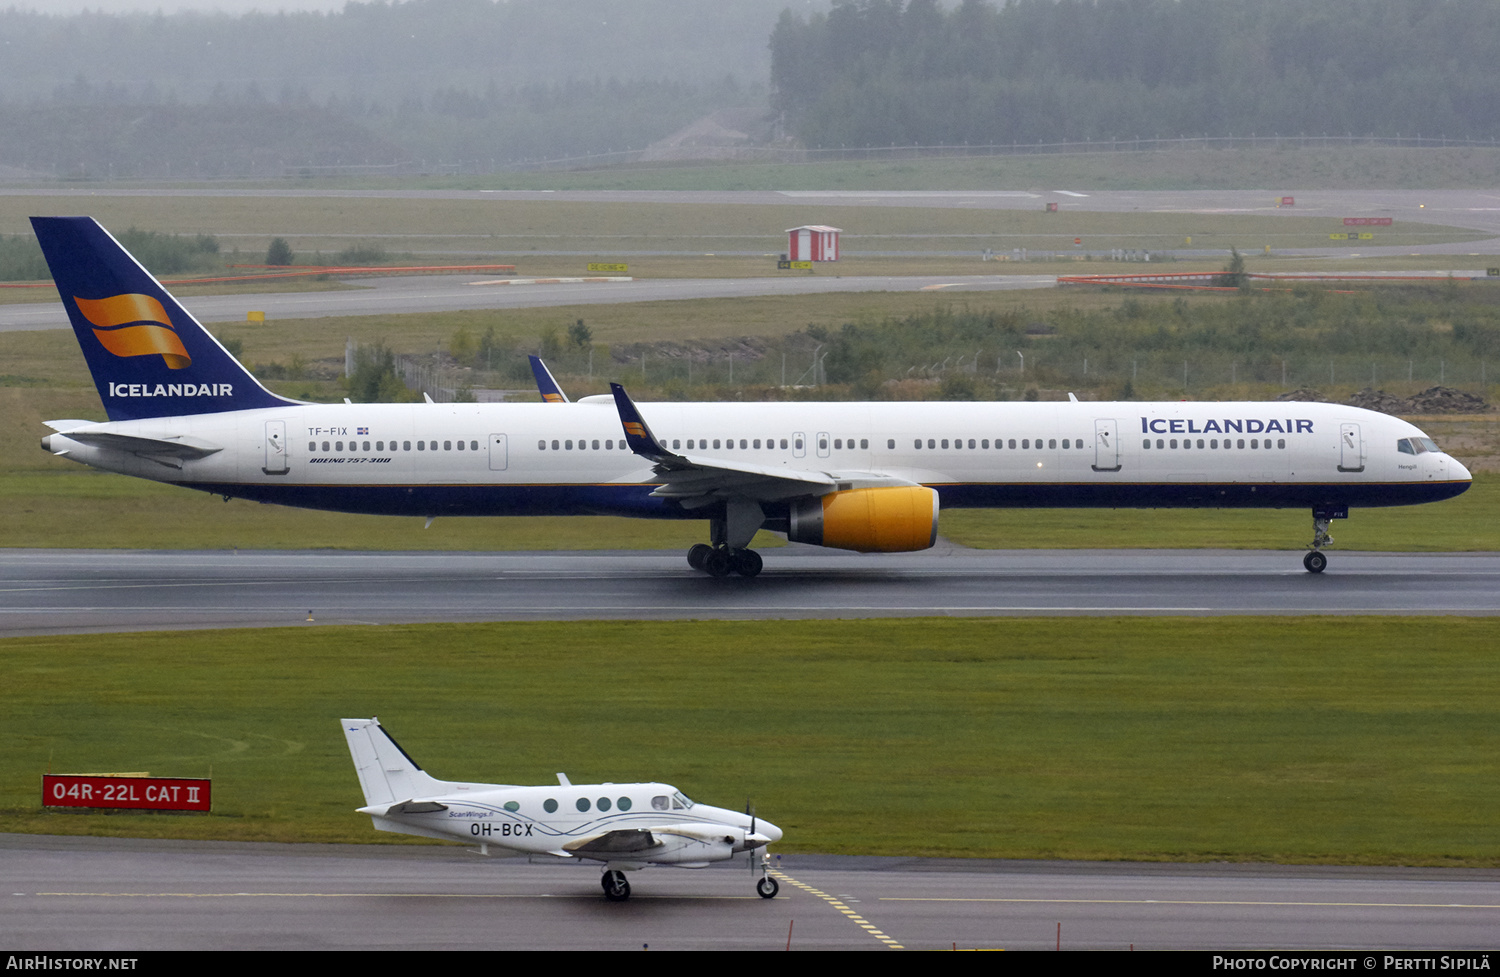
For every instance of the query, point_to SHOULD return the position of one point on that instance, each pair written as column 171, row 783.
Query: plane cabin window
column 985, row 443
column 822, row 444
column 312, row 446
column 1160, row 443
column 1240, row 443
column 783, row 444
column 567, row 446
column 1213, row 443
column 460, row 446
column 583, row 804
column 610, row 445
column 917, row 443
column 864, row 443
column 945, row 442
column 512, row 806
column 838, row 443
column 1281, row 442
column 447, row 446
column 743, row 442
column 1254, row 443
column 755, row 443
column 799, row 444
column 1146, row 443
column 1012, row 442
column 421, row 445
column 675, row 444
column 550, row 805
column 623, row 803
column 595, row 446
column 603, row 803
column 325, row 445
column 405, row 445
column 1051, row 443
column 366, row 447
column 716, row 442
column 660, row 803
column 1026, row 442
column 1174, row 442
column 379, row 445
column 556, row 445
column 541, row 446
column 890, row 444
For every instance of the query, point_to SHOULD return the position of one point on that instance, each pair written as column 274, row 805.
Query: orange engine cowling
column 874, row 520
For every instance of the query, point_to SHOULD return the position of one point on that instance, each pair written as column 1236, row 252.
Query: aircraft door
column 1351, row 448
column 824, row 449
column 1106, row 445
column 276, row 462
column 499, row 457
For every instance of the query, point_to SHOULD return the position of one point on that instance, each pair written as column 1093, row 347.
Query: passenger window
column 755, row 443
column 1052, row 443
column 864, row 444
column 367, row 446
column 541, row 446
column 405, row 445
column 971, row 442
column 312, row 446
column 743, row 442
column 460, row 445
column 1281, row 442
column 799, row 444
column 583, row 804
column 1012, row 442
column 556, row 445
column 783, row 444
column 890, row 444
column 379, row 445
column 1026, row 442
column 512, row 806
column 603, row 803
column 550, row 805
column 1146, row 443
column 474, row 445
column 421, row 445
column 660, row 803
column 945, row 442
column 623, row 803
column 610, row 445
column 917, row 444
column 567, row 445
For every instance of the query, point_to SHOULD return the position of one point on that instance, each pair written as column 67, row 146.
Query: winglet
column 637, row 435
column 545, row 384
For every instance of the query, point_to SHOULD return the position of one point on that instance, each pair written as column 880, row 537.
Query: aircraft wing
column 698, row 481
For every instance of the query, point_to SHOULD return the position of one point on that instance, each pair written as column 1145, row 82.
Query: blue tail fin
column 545, row 385
column 149, row 357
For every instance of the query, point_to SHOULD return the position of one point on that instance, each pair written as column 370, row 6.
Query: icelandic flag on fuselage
column 148, row 355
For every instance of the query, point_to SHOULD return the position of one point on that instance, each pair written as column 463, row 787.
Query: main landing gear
column 1316, row 561
column 721, row 561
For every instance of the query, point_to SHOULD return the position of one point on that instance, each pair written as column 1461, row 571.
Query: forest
column 888, row 72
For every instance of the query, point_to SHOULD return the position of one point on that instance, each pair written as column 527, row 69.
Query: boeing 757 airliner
column 859, row 476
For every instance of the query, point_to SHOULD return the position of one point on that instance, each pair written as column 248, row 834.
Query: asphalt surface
column 70, row 591
column 130, row 895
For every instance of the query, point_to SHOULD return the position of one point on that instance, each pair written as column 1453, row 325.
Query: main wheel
column 698, row 554
column 767, row 887
column 747, row 563
column 1315, row 561
column 616, row 888
column 717, row 563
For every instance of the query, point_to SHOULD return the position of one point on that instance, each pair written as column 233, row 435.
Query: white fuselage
column 496, row 459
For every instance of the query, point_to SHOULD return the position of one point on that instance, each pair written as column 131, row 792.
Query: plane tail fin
column 386, row 773
column 548, row 387
column 148, row 355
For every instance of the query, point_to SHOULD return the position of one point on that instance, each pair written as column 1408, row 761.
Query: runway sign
column 139, row 793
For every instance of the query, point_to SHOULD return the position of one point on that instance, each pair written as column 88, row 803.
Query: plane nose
column 1458, row 471
column 769, row 831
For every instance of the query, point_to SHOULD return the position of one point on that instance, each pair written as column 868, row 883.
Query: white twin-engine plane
column 625, row 826
column 866, row 477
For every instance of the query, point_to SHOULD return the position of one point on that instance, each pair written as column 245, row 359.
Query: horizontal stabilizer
column 169, row 446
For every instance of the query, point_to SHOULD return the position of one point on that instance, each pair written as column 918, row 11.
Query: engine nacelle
column 873, row 520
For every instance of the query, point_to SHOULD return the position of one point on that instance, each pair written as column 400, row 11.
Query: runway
column 71, row 591
column 450, row 293
column 69, row 894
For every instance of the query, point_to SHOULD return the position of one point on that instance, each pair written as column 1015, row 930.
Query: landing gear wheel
column 616, row 888
column 747, row 563
column 698, row 555
column 767, row 887
column 1315, row 562
column 718, row 563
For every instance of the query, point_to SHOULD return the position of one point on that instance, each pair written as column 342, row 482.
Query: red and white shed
column 813, row 242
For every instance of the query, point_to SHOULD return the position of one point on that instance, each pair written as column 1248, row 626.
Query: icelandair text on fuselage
column 1478, row 961
column 1252, row 425
column 171, row 390
column 42, row 961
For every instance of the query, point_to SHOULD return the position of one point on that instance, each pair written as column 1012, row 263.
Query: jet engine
column 872, row 520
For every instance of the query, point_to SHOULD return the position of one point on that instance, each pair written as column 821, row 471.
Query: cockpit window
column 1404, row 446
column 680, row 802
column 1416, row 446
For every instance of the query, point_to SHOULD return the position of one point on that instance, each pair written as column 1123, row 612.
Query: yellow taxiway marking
column 1198, row 902
column 838, row 904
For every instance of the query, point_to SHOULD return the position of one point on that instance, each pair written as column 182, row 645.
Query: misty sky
column 173, row 6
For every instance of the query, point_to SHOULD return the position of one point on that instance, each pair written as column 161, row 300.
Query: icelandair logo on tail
column 635, row 429
column 135, row 325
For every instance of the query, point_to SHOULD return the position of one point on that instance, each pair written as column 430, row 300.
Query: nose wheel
column 1316, row 561
column 616, row 887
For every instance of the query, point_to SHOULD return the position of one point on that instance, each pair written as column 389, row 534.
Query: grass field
column 1342, row 740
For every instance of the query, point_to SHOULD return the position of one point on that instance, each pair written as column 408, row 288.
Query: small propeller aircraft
column 625, row 826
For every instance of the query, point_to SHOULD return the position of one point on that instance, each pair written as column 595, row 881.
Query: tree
column 279, row 253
